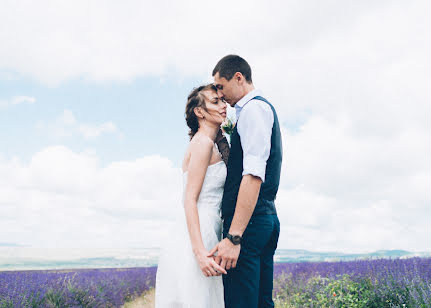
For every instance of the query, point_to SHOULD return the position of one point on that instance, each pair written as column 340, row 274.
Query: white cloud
column 67, row 118
column 344, row 191
column 23, row 99
column 121, row 41
column 15, row 100
column 66, row 125
column 71, row 200
column 92, row 131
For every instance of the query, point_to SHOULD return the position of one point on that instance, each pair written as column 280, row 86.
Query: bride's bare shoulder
column 200, row 141
column 200, row 145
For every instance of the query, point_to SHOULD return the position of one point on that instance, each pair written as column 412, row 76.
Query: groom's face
column 229, row 90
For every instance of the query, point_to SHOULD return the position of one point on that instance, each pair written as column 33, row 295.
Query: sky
column 92, row 130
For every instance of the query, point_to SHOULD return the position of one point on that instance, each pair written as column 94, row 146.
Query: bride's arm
column 201, row 150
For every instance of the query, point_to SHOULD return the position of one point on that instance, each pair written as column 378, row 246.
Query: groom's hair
column 230, row 64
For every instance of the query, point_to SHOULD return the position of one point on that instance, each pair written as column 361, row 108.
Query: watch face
column 236, row 239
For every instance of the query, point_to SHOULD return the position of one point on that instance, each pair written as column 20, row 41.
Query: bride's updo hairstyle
column 196, row 99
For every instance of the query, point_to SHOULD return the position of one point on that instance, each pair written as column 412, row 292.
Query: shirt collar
column 243, row 101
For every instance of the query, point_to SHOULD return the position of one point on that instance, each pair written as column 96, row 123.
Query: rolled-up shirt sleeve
column 255, row 129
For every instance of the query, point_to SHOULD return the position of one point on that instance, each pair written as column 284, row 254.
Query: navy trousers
column 250, row 283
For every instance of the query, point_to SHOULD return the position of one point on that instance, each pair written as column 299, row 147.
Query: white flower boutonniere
column 227, row 126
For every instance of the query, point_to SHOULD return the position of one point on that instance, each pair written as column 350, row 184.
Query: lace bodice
column 212, row 188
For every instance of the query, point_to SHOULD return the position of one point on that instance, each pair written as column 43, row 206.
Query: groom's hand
column 228, row 254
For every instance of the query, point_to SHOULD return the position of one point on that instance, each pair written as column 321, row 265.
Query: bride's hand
column 208, row 266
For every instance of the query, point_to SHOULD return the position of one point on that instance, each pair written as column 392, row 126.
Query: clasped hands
column 226, row 258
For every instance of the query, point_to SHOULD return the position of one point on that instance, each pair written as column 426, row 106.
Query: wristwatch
column 235, row 239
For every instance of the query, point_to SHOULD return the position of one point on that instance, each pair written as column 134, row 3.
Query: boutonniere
column 228, row 125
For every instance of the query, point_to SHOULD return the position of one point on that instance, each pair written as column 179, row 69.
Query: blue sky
column 92, row 130
column 148, row 115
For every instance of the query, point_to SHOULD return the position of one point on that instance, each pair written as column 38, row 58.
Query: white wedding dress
column 179, row 282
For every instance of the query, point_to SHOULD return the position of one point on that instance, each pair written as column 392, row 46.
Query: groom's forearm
column 245, row 204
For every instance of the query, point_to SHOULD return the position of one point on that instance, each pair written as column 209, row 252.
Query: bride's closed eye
column 216, row 101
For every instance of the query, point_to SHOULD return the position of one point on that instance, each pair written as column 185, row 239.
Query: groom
column 250, row 227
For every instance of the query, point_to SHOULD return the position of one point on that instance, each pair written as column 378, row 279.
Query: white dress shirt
column 254, row 124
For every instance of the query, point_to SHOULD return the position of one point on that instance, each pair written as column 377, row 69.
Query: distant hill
column 3, row 244
column 295, row 255
column 26, row 258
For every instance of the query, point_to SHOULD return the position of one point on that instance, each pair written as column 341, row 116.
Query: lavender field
column 74, row 288
column 360, row 283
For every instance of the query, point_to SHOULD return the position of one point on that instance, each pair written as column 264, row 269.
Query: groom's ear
column 239, row 77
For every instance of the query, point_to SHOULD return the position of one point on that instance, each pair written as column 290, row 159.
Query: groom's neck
column 248, row 87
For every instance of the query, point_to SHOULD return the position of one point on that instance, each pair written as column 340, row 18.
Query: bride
column 186, row 276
